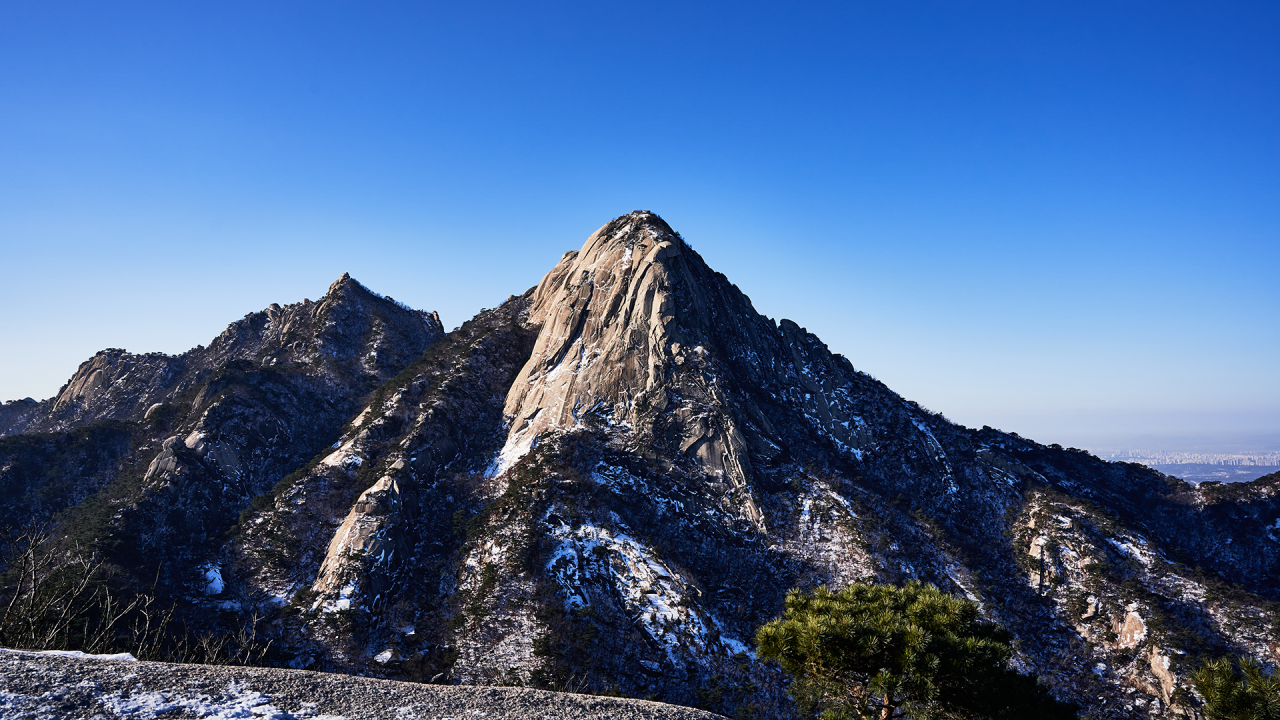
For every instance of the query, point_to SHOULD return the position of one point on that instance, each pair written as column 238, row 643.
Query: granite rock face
column 626, row 334
column 636, row 329
column 609, row 482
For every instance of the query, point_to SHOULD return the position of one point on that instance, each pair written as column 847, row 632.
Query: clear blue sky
column 1058, row 218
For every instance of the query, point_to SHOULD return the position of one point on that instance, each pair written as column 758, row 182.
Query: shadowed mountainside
column 608, row 483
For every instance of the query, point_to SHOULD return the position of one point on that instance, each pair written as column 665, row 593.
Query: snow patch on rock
column 656, row 596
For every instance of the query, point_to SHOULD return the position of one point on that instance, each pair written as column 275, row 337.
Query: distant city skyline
column 1057, row 221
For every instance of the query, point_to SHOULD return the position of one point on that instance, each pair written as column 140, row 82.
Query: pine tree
column 877, row 652
column 1237, row 690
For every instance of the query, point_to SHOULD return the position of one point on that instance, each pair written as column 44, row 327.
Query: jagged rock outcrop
column 371, row 528
column 617, row 319
column 609, row 482
column 197, row 436
column 111, row 385
column 349, row 333
column 355, row 329
column 637, row 329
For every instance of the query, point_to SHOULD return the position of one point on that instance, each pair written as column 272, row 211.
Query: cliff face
column 638, row 331
column 609, row 482
column 626, row 336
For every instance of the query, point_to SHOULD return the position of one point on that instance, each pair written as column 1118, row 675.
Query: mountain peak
column 354, row 329
column 689, row 460
column 628, row 333
column 344, row 282
column 633, row 228
column 608, row 301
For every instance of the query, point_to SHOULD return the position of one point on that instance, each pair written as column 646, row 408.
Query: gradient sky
column 1057, row 218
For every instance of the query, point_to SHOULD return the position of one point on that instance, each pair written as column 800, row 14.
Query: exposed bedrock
column 637, row 331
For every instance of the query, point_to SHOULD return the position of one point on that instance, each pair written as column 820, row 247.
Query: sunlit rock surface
column 607, row 483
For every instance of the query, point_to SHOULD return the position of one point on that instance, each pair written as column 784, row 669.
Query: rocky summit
column 605, row 485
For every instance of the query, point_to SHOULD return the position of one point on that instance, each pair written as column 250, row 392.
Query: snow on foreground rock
column 43, row 685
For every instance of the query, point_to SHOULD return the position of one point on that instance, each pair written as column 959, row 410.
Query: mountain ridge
column 609, row 481
column 263, row 336
column 200, row 434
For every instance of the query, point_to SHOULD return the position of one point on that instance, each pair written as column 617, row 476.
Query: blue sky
column 1056, row 218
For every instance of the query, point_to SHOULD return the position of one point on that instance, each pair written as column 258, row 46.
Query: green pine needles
column 877, row 652
column 1237, row 690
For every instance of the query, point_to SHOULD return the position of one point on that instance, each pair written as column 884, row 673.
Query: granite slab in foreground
column 69, row 687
